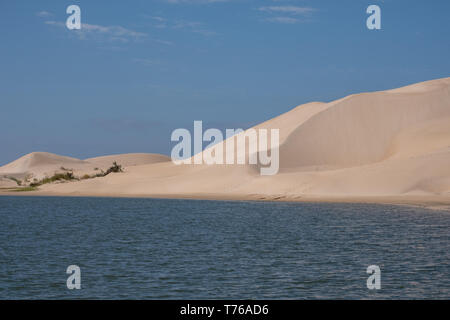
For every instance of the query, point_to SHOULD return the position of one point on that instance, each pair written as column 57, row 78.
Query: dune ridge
column 393, row 143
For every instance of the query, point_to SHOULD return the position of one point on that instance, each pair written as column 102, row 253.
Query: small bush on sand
column 115, row 168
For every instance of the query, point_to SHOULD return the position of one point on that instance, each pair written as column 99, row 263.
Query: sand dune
column 37, row 165
column 393, row 143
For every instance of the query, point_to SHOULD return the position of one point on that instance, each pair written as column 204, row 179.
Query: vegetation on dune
column 19, row 189
column 67, row 176
column 19, row 183
column 24, row 189
column 99, row 175
column 115, row 168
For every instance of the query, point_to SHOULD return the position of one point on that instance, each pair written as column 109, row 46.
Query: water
column 187, row 249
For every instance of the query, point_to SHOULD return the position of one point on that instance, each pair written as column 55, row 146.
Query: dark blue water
column 186, row 249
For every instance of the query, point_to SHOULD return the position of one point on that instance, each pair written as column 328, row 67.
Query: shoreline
column 440, row 203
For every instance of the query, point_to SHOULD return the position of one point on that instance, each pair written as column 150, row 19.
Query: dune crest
column 360, row 129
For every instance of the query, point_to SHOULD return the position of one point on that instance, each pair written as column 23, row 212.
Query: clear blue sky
column 139, row 69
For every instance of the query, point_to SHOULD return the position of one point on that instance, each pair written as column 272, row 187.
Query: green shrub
column 25, row 189
column 115, row 168
column 56, row 177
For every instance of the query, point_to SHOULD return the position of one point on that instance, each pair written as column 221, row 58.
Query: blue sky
column 139, row 69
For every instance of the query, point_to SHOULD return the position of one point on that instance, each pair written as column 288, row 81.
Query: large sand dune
column 393, row 143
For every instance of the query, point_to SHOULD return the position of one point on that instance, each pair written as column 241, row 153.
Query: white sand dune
column 393, row 143
column 37, row 165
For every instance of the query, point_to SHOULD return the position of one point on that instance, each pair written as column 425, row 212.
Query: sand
column 391, row 146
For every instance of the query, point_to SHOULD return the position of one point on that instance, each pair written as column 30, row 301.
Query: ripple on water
column 168, row 249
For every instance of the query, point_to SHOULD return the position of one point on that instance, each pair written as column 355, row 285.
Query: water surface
column 190, row 249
